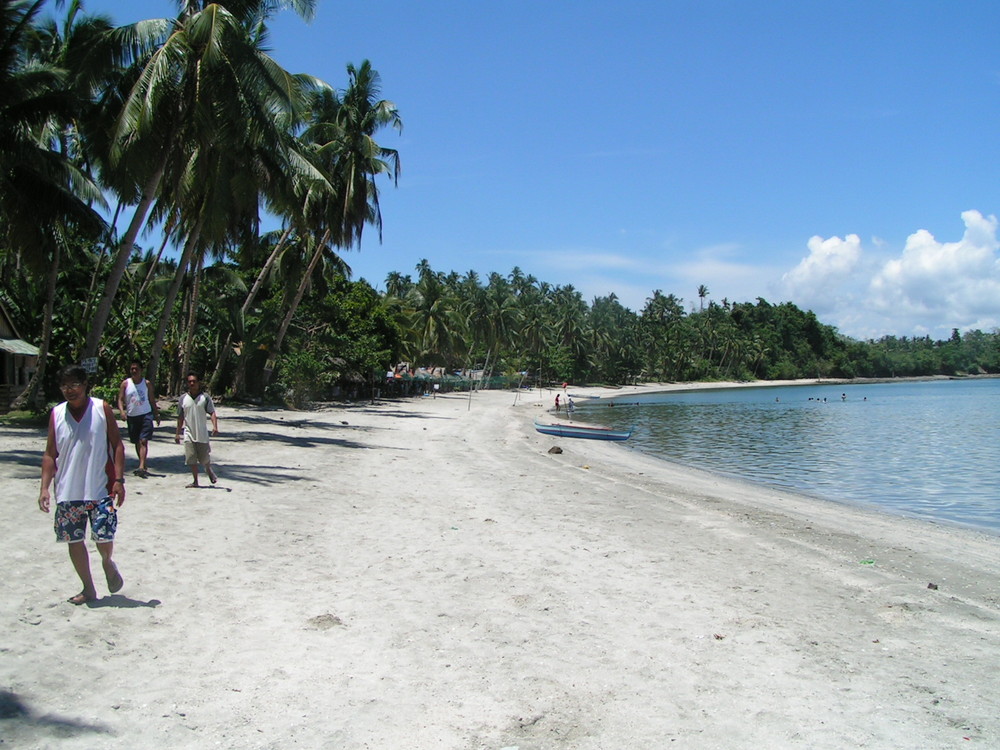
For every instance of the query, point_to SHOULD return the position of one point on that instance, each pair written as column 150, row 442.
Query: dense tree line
column 522, row 325
column 186, row 130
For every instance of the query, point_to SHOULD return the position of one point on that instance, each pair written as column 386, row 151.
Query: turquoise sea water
column 927, row 449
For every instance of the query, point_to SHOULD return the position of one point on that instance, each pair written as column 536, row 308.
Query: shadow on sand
column 19, row 719
column 118, row 601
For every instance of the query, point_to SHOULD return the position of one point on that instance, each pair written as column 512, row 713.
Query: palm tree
column 661, row 321
column 201, row 89
column 43, row 195
column 276, row 242
column 501, row 314
column 221, row 278
column 569, row 313
column 345, row 151
column 434, row 318
column 396, row 284
column 702, row 293
column 534, row 331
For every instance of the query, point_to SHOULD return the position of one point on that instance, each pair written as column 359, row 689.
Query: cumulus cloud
column 929, row 288
column 826, row 276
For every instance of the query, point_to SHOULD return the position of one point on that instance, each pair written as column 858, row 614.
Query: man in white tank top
column 85, row 456
column 137, row 406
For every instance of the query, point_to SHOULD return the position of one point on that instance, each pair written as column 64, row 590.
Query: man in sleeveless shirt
column 85, row 457
column 137, row 406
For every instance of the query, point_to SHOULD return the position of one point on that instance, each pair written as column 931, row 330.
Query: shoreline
column 704, row 385
column 598, row 393
column 425, row 574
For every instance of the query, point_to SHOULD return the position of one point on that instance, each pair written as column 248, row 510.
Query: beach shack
column 18, row 360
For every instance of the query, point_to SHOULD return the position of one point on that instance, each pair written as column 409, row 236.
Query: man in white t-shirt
column 195, row 407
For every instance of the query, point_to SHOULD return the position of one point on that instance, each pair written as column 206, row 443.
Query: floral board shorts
column 72, row 517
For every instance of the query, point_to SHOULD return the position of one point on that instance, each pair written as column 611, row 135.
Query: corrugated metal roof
column 16, row 346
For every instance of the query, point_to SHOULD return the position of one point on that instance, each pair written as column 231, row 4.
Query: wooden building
column 18, row 360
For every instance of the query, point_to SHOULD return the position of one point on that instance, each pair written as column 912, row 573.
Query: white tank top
column 83, row 463
column 136, row 398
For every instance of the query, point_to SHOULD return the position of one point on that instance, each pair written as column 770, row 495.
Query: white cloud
column 724, row 271
column 825, row 276
column 929, row 288
column 580, row 258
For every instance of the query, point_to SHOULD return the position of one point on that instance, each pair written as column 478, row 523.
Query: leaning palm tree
column 276, row 243
column 198, row 83
column 238, row 140
column 341, row 131
column 44, row 196
column 80, row 45
column 220, row 278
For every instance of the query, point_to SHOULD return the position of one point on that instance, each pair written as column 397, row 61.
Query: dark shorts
column 141, row 427
column 71, row 520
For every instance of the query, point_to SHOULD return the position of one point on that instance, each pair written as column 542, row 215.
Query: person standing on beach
column 557, row 402
column 195, row 407
column 137, row 406
column 85, row 456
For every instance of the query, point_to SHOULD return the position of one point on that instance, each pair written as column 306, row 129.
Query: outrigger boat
column 589, row 432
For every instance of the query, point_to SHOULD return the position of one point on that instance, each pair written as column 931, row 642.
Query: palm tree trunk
column 168, row 304
column 239, row 378
column 99, row 263
column 30, row 394
column 290, row 314
column 255, row 289
column 220, row 362
column 192, row 317
column 167, row 231
column 247, row 303
column 103, row 311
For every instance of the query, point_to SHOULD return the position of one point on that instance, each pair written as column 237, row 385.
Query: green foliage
column 108, row 393
column 303, row 378
column 25, row 419
column 341, row 339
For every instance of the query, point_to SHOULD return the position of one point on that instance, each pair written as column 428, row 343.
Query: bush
column 25, row 418
column 107, row 392
column 301, row 379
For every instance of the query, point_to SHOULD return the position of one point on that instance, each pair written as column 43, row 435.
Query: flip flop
column 115, row 580
column 81, row 598
column 192, row 486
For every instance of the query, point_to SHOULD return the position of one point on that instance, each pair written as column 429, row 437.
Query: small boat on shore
column 588, row 432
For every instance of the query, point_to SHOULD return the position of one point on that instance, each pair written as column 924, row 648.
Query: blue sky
column 841, row 155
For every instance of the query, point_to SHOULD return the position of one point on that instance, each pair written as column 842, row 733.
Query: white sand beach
column 425, row 574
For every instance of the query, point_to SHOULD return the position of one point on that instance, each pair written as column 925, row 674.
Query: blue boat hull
column 582, row 431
